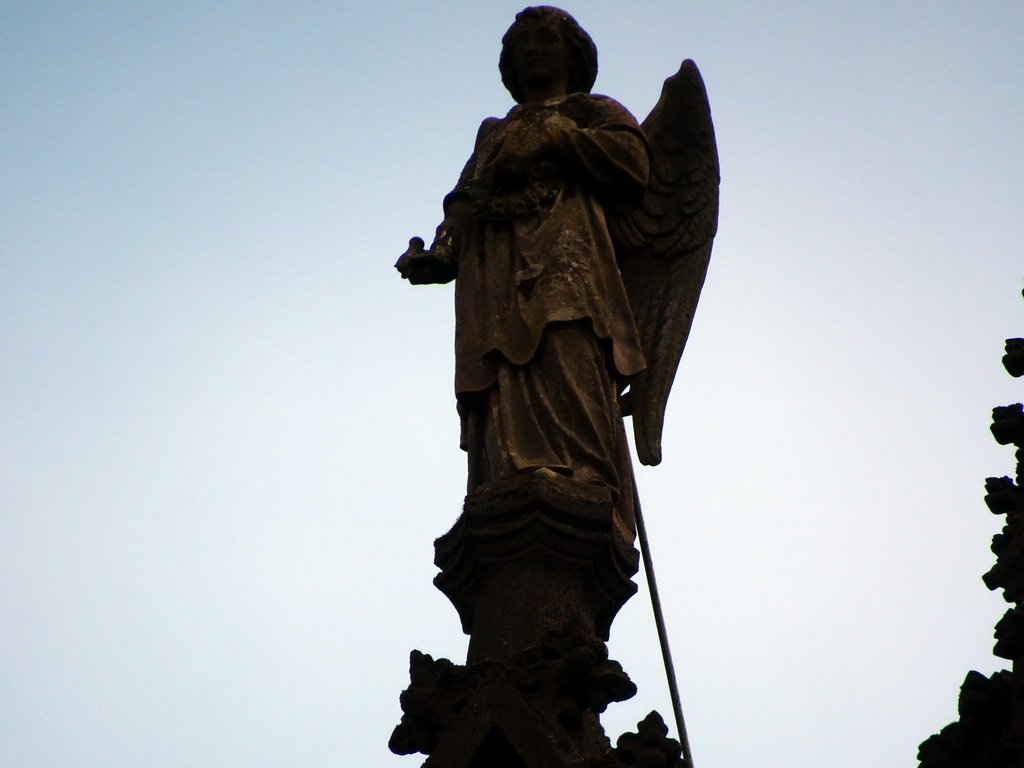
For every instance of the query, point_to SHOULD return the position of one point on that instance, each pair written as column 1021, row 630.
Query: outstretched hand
column 422, row 267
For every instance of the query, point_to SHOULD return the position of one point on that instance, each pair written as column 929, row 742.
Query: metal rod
column 659, row 622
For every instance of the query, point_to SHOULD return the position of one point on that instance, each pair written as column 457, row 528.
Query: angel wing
column 664, row 244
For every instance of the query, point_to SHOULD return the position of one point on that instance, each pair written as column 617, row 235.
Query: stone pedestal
column 537, row 567
column 532, row 555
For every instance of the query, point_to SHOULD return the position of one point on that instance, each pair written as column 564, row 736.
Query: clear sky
column 227, row 430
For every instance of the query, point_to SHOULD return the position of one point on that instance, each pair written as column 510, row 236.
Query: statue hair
column 582, row 51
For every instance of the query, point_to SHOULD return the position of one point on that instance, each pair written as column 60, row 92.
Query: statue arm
column 613, row 159
column 440, row 263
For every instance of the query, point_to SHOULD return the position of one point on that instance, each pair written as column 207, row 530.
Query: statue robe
column 544, row 336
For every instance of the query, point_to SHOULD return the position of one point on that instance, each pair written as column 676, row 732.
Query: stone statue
column 578, row 241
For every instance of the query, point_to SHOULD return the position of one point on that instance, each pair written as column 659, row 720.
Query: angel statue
column 578, row 241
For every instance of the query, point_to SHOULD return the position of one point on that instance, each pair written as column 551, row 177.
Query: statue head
column 582, row 54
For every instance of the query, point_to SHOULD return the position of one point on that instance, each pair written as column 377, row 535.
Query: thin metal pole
column 659, row 622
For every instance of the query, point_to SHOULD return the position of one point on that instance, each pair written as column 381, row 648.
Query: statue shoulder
column 593, row 109
column 487, row 127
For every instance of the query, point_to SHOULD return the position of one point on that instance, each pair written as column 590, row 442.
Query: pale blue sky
column 227, row 432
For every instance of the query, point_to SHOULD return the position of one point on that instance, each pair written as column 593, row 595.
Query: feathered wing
column 664, row 245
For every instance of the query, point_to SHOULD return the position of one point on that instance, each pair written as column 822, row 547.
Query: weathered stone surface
column 534, row 707
column 577, row 270
column 990, row 731
column 1008, row 424
column 650, row 746
column 1013, row 360
column 577, row 274
column 530, row 555
column 1003, row 496
column 979, row 739
column 1009, row 635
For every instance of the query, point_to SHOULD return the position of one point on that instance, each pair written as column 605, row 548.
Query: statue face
column 541, row 56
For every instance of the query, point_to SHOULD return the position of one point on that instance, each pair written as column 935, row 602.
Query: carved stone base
column 537, row 568
column 537, row 708
column 531, row 555
column 650, row 746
